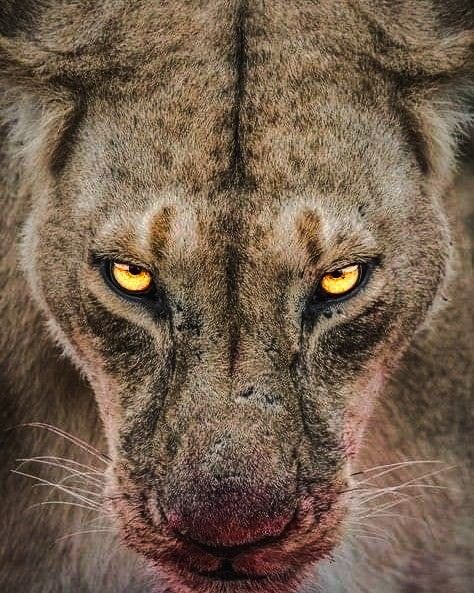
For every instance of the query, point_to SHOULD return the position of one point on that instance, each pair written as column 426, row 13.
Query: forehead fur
column 235, row 94
column 306, row 233
column 163, row 225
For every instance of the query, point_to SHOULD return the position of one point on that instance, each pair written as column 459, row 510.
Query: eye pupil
column 336, row 273
column 134, row 270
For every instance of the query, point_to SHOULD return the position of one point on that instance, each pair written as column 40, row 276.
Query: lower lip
column 227, row 573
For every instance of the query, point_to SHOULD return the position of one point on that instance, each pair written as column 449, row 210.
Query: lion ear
column 57, row 39
column 34, row 112
column 51, row 54
column 428, row 46
column 42, row 63
column 443, row 112
column 426, row 38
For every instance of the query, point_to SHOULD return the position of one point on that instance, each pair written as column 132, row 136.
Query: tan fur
column 238, row 150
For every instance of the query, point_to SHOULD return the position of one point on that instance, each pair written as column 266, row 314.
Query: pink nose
column 229, row 512
column 225, row 531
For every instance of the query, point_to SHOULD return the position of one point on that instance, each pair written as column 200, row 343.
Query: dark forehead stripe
column 237, row 172
column 236, row 181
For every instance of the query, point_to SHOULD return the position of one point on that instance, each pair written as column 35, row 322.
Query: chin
column 181, row 581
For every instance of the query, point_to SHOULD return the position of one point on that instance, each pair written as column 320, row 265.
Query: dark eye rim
column 106, row 268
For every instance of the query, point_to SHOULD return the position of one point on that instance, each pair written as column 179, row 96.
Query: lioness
column 235, row 227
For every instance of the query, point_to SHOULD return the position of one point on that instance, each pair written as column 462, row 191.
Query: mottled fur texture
column 236, row 434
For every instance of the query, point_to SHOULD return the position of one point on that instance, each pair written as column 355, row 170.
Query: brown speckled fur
column 238, row 149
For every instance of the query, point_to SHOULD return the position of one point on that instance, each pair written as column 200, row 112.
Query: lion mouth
column 268, row 563
column 226, row 572
column 245, row 562
column 310, row 535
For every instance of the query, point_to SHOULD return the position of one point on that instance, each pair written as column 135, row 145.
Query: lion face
column 233, row 372
column 235, row 244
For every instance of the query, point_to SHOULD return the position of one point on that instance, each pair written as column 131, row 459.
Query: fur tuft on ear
column 35, row 125
column 428, row 46
column 444, row 117
column 49, row 51
column 422, row 38
column 37, row 105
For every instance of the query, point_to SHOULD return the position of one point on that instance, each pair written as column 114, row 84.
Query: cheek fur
column 359, row 409
column 106, row 389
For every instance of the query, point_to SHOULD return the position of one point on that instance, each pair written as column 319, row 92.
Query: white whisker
column 363, row 535
column 58, row 486
column 374, row 493
column 391, row 467
column 74, row 472
column 71, row 438
column 65, row 503
column 377, row 511
column 83, row 477
column 410, row 484
column 84, row 532
column 71, row 488
column 57, row 460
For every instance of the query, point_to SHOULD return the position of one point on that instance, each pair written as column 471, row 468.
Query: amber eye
column 341, row 281
column 130, row 278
